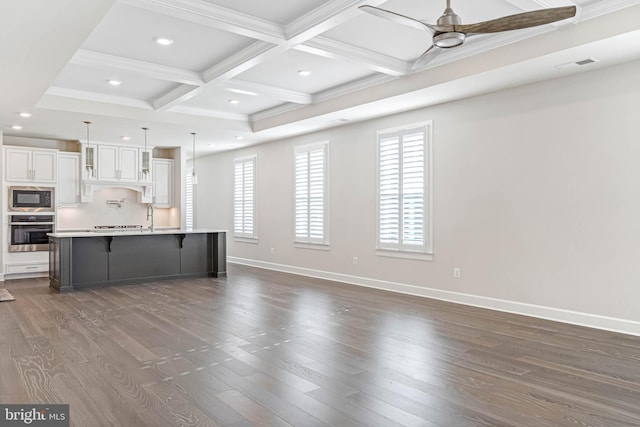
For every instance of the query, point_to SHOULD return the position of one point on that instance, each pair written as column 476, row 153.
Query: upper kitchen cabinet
column 163, row 175
column 117, row 163
column 68, row 192
column 30, row 165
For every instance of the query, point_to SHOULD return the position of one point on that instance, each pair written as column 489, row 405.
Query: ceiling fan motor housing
column 449, row 39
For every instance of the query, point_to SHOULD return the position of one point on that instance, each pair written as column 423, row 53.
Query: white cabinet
column 118, row 163
column 163, row 175
column 68, row 192
column 29, row 165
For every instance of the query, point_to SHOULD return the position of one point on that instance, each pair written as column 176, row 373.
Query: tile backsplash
column 103, row 211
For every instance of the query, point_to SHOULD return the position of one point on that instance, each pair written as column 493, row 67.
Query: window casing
column 244, row 198
column 404, row 191
column 311, row 190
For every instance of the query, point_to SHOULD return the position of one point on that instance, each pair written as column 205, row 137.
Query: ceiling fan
column 449, row 32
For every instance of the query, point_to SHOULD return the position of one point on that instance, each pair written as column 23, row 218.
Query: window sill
column 393, row 253
column 246, row 240
column 312, row 246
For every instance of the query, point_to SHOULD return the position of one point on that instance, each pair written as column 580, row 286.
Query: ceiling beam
column 211, row 15
column 98, row 97
column 87, row 58
column 325, row 17
column 243, row 86
column 225, row 70
column 206, row 112
column 378, row 62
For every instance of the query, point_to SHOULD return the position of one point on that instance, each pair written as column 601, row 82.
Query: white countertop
column 143, row 232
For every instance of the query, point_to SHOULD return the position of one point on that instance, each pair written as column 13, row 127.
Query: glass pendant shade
column 88, row 154
column 145, row 155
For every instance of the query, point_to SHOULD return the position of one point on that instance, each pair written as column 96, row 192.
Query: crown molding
column 353, row 86
column 219, row 17
column 98, row 97
column 364, row 83
column 93, row 59
column 273, row 111
column 329, row 48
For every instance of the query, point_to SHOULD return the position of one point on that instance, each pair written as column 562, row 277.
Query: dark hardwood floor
column 266, row 348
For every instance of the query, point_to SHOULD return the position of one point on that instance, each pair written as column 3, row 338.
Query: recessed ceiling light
column 16, row 127
column 25, row 114
column 234, row 101
column 163, row 41
column 114, row 82
column 126, row 138
column 304, row 73
column 239, row 137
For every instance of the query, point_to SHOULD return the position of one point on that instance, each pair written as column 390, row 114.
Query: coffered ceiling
column 233, row 70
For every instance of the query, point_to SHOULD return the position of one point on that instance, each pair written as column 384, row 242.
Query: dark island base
column 95, row 261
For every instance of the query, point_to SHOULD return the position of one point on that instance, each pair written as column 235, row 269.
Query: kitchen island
column 88, row 259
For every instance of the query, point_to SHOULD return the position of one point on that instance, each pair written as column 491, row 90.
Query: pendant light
column 193, row 173
column 88, row 154
column 145, row 156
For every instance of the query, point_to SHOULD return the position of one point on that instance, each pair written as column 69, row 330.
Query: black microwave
column 31, row 199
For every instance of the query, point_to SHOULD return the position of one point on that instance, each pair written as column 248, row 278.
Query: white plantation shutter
column 402, row 190
column 244, row 198
column 311, row 193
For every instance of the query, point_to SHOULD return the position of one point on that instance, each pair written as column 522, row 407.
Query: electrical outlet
column 355, row 260
column 273, row 250
column 457, row 272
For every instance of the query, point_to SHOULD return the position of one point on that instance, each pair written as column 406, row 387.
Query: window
column 244, row 200
column 189, row 201
column 404, row 193
column 311, row 193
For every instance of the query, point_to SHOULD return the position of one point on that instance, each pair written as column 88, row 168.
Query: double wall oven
column 31, row 218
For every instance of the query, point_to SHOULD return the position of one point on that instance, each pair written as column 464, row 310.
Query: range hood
column 144, row 189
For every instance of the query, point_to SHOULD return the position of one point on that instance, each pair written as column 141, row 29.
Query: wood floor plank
column 268, row 348
column 253, row 412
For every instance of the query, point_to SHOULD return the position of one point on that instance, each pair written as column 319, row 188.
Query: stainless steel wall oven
column 28, row 232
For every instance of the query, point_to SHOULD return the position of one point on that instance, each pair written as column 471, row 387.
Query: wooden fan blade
column 398, row 18
column 428, row 56
column 519, row 21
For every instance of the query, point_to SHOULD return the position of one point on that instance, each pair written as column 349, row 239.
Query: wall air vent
column 575, row 64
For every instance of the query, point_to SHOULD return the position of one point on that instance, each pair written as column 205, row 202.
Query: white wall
column 536, row 198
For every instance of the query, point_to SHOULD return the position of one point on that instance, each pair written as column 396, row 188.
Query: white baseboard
column 566, row 316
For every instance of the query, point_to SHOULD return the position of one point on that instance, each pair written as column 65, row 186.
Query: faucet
column 150, row 216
